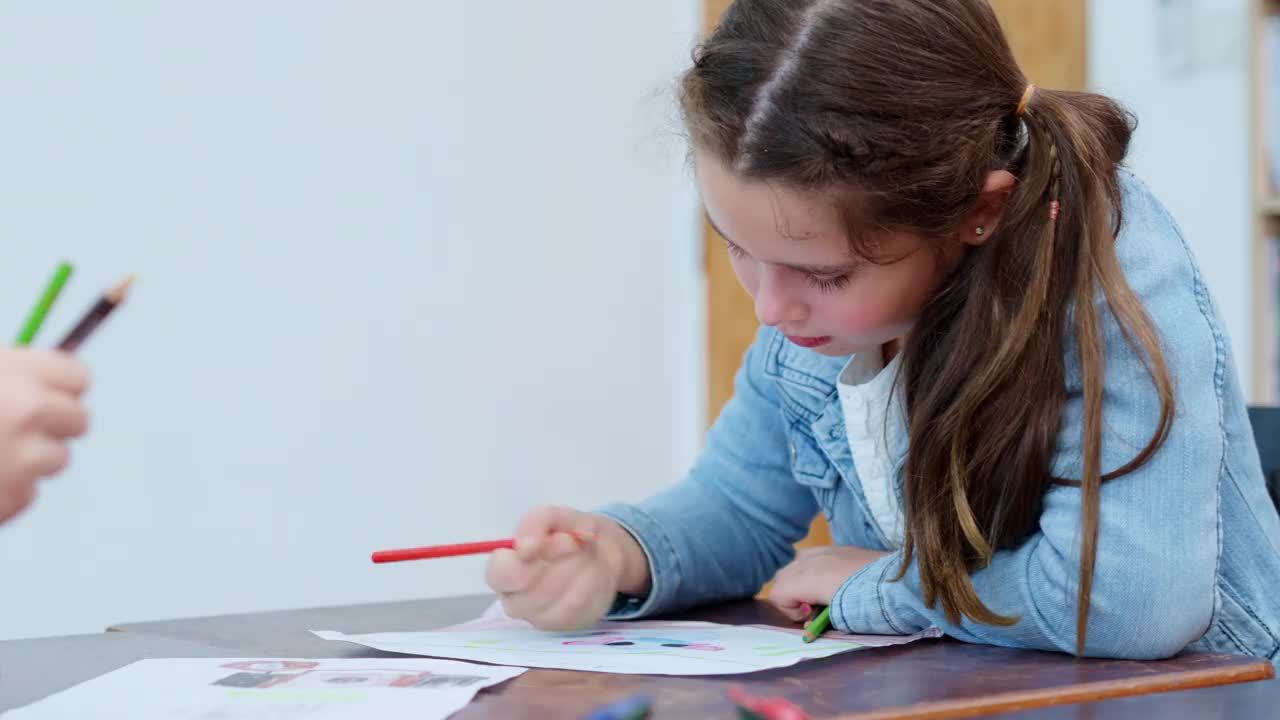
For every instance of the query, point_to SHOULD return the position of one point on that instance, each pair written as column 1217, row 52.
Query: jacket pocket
column 810, row 467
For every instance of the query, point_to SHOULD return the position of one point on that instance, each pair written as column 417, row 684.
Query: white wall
column 1181, row 66
column 406, row 269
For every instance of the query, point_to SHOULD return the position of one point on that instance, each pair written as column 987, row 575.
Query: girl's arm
column 725, row 529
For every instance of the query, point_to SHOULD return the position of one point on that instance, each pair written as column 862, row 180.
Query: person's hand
column 40, row 410
column 815, row 576
column 566, row 569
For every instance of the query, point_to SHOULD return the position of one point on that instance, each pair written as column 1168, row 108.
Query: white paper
column 640, row 648
column 239, row 689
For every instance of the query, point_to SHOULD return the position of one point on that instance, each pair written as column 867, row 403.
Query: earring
column 978, row 231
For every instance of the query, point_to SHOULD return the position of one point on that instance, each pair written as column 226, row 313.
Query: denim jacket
column 1188, row 545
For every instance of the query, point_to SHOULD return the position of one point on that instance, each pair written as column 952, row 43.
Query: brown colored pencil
column 96, row 314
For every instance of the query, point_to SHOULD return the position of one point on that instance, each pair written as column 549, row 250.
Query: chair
column 1266, row 432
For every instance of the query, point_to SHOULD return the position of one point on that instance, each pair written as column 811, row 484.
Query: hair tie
column 1025, row 101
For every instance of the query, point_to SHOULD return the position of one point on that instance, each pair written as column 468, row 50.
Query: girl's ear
column 985, row 215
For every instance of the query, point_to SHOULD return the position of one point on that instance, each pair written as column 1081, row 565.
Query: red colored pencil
column 439, row 551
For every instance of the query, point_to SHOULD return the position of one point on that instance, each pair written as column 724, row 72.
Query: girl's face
column 791, row 253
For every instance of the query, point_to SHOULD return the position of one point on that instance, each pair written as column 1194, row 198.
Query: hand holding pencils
column 41, row 410
column 41, row 392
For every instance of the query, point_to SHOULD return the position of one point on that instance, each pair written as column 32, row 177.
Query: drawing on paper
column 643, row 647
column 609, row 638
column 297, row 675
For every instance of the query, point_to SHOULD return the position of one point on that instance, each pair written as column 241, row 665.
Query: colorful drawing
column 278, row 689
column 262, row 675
column 644, row 647
column 268, row 666
column 613, row 639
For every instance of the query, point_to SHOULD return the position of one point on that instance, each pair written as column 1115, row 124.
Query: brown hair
column 901, row 108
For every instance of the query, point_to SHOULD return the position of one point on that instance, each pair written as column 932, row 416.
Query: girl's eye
column 828, row 284
column 824, row 284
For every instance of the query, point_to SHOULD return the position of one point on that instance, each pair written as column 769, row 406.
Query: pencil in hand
column 96, row 314
column 36, row 317
column 473, row 548
column 818, row 626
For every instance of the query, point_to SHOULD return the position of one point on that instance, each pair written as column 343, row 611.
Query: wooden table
column 32, row 669
column 1227, row 702
column 926, row 679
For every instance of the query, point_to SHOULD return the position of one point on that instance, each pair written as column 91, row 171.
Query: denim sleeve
column 1153, row 585
column 728, row 527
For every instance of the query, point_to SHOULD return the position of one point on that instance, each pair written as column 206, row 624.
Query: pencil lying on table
column 473, row 548
column 109, row 301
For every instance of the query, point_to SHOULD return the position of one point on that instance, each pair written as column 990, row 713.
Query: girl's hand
column 40, row 410
column 557, row 581
column 814, row 577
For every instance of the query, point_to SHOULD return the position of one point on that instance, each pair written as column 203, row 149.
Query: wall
column 406, row 269
column 1181, row 66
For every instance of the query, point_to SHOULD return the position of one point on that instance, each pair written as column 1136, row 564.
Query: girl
column 986, row 355
column 40, row 410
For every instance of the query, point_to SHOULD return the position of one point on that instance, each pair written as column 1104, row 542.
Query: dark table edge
column 1069, row 694
column 140, row 626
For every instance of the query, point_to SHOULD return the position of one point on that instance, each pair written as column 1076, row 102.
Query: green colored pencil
column 41, row 309
column 818, row 626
